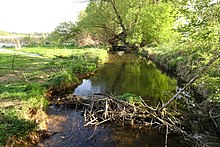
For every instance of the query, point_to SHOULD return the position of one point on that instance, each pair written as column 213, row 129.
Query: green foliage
column 203, row 24
column 202, row 31
column 155, row 24
column 144, row 21
column 130, row 98
column 77, row 64
column 35, row 94
column 98, row 20
column 33, row 41
column 63, row 78
column 186, row 61
column 64, row 33
column 211, row 85
column 198, row 44
column 21, row 63
column 13, row 91
column 35, row 89
column 56, row 67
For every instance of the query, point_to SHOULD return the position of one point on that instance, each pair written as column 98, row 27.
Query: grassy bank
column 186, row 61
column 24, row 80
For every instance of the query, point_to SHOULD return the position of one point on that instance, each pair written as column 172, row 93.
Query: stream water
column 122, row 74
column 129, row 74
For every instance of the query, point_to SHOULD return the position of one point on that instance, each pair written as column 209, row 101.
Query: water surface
column 129, row 74
column 122, row 74
column 68, row 131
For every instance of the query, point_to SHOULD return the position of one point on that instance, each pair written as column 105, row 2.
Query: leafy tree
column 202, row 32
column 31, row 40
column 200, row 26
column 131, row 22
column 98, row 20
column 66, row 32
column 154, row 24
column 202, row 21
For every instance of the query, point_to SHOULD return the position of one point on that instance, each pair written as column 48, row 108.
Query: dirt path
column 8, row 103
column 3, row 50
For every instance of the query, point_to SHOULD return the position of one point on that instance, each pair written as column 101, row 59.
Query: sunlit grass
column 20, row 63
column 187, row 61
column 31, row 78
column 49, row 52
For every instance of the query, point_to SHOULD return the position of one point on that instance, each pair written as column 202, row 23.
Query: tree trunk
column 123, row 34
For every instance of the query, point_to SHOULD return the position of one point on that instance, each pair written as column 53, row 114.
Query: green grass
column 21, row 63
column 61, row 80
column 54, row 69
column 13, row 125
column 13, row 91
column 63, row 52
column 186, row 60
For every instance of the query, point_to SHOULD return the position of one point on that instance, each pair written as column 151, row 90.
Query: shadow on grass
column 34, row 75
column 11, row 125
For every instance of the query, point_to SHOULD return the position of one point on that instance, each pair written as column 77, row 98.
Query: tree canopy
column 131, row 22
column 65, row 32
column 137, row 23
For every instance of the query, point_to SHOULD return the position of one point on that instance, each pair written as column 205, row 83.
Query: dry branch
column 103, row 108
column 191, row 81
column 23, row 78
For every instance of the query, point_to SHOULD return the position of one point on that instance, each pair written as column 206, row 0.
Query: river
column 125, row 73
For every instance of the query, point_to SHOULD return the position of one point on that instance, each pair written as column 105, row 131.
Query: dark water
column 129, row 74
column 67, row 125
column 121, row 74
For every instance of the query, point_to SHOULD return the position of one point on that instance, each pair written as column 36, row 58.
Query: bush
column 61, row 80
column 130, row 98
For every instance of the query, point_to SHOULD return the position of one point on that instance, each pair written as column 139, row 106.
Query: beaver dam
column 122, row 105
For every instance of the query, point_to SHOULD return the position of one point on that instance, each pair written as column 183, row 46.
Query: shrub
column 130, row 98
column 61, row 80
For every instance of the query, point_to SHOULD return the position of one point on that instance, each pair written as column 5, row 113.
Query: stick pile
column 101, row 108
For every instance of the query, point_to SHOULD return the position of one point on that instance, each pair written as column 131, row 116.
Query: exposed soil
column 6, row 103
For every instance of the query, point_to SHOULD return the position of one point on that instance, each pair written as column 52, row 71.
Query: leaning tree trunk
column 123, row 34
column 201, row 71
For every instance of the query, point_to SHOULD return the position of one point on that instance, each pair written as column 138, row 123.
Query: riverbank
column 112, row 97
column 186, row 63
column 123, row 73
column 26, row 81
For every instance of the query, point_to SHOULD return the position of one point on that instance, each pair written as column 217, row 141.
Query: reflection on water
column 125, row 73
column 67, row 125
column 129, row 73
